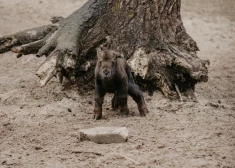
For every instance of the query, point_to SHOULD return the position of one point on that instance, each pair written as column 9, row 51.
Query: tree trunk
column 149, row 33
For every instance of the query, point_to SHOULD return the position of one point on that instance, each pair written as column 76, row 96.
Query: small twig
column 178, row 92
column 129, row 159
column 95, row 153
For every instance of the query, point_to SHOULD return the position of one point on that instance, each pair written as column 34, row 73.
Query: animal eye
column 100, row 62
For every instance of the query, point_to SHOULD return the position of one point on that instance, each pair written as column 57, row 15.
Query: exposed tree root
column 31, row 48
column 48, row 69
column 24, row 37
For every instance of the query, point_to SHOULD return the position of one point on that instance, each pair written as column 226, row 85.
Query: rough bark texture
column 149, row 33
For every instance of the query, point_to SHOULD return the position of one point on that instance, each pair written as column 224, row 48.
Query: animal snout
column 106, row 72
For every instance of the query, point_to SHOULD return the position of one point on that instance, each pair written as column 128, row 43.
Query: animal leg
column 122, row 94
column 115, row 101
column 135, row 92
column 99, row 98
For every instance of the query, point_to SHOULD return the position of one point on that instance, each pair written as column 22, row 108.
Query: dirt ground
column 39, row 126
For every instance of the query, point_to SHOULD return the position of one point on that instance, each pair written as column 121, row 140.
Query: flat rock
column 105, row 135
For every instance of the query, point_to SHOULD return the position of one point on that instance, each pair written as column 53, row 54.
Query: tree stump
column 149, row 33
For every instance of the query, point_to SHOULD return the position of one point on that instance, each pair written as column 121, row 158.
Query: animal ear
column 99, row 52
column 98, row 49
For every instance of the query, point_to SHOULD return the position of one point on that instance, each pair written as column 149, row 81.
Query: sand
column 39, row 126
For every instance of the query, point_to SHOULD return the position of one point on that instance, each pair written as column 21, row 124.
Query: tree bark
column 149, row 33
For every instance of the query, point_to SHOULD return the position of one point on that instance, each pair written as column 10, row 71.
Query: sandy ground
column 38, row 130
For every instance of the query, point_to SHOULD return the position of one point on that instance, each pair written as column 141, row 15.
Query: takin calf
column 113, row 75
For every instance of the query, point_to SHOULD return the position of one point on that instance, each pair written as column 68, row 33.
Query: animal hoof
column 97, row 117
column 144, row 113
column 147, row 115
column 124, row 116
column 124, row 112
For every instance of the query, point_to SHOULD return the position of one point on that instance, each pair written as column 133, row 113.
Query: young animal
column 113, row 75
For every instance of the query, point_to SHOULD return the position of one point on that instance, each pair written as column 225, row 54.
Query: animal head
column 107, row 62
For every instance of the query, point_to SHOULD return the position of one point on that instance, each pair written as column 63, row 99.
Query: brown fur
column 113, row 75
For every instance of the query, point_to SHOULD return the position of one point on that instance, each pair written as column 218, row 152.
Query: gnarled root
column 166, row 69
column 31, row 48
column 48, row 69
column 25, row 37
column 58, row 64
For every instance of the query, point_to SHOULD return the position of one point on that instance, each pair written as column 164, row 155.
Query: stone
column 105, row 135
